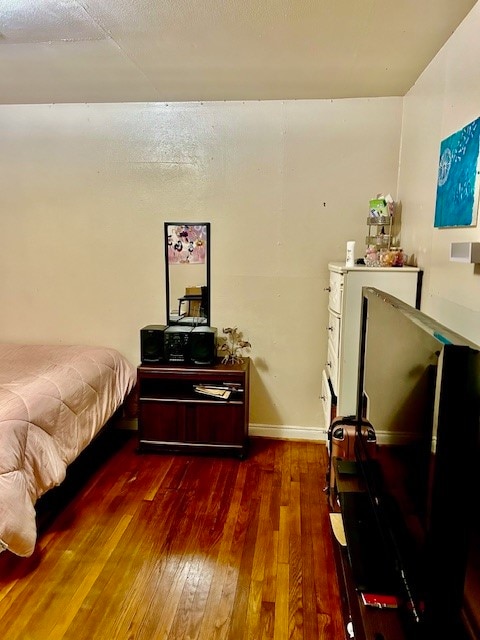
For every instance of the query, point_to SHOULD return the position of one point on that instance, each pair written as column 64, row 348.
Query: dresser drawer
column 327, row 402
column 332, row 367
column 335, row 296
column 333, row 328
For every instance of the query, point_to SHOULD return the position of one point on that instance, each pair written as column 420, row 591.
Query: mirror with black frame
column 187, row 272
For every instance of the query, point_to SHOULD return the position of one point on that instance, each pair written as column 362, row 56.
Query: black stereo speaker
column 151, row 343
column 203, row 345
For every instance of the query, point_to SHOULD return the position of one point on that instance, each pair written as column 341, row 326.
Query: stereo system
column 178, row 344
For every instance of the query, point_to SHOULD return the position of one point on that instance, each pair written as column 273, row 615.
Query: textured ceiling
column 180, row 50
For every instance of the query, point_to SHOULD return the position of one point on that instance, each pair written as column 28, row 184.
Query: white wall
column 86, row 189
column 445, row 98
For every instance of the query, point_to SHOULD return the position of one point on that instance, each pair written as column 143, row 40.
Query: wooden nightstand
column 174, row 417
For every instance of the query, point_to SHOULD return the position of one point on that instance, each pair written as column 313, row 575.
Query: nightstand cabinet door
column 222, row 423
column 161, row 421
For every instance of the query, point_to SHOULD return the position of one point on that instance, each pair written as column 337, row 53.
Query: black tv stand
column 370, row 558
column 365, row 622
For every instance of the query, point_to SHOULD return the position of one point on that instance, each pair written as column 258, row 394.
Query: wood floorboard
column 151, row 547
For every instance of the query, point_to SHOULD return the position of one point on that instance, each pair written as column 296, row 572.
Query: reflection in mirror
column 187, row 269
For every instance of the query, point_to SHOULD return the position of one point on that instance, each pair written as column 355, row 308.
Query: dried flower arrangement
column 233, row 345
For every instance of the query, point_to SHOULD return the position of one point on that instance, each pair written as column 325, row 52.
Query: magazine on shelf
column 220, row 393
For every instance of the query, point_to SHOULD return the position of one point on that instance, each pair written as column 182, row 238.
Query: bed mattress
column 53, row 402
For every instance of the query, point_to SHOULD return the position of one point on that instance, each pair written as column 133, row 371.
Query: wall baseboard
column 287, row 432
column 282, row 432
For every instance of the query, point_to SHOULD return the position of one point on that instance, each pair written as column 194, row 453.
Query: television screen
column 418, row 387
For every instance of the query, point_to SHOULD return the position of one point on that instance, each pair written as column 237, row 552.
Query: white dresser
column 339, row 379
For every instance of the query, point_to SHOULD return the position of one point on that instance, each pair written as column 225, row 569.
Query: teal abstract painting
column 458, row 171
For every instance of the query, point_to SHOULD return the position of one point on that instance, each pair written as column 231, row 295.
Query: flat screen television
column 419, row 388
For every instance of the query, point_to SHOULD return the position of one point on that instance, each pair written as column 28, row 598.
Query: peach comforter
column 53, row 401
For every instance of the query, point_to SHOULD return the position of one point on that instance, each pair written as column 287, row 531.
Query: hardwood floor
column 153, row 546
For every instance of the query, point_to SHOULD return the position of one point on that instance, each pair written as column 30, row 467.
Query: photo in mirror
column 187, row 268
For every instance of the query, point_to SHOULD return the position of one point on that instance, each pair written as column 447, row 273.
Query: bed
column 54, row 400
